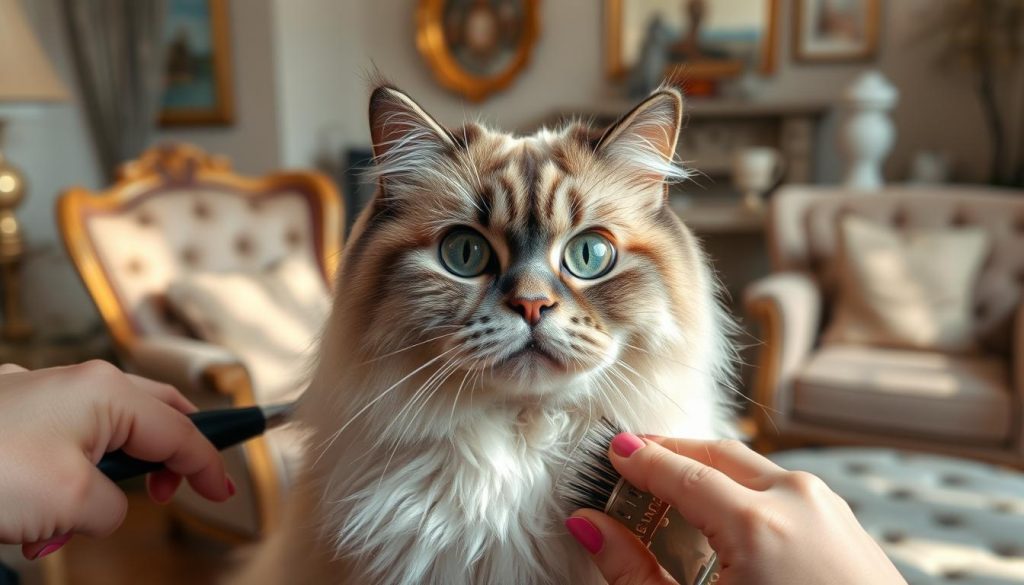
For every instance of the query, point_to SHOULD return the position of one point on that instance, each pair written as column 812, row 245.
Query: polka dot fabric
column 941, row 520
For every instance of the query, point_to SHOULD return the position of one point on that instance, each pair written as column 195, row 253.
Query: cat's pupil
column 466, row 251
column 586, row 252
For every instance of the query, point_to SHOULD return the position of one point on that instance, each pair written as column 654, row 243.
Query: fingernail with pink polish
column 586, row 534
column 625, row 444
column 54, row 545
column 231, row 486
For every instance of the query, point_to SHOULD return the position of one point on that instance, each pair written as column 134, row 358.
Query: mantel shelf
column 708, row 108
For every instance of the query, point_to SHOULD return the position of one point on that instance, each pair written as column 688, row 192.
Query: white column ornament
column 867, row 134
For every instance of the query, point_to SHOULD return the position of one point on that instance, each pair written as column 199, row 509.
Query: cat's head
column 534, row 266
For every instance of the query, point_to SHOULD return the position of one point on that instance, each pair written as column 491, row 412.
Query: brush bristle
column 589, row 478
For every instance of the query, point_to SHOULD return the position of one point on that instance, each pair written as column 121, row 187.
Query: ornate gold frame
column 223, row 112
column 616, row 69
column 800, row 54
column 431, row 44
column 181, row 165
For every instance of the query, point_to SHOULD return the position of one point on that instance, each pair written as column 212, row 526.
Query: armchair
column 962, row 404
column 176, row 212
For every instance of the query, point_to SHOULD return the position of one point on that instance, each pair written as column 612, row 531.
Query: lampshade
column 26, row 74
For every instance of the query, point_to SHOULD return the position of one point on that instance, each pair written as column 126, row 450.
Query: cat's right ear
column 402, row 132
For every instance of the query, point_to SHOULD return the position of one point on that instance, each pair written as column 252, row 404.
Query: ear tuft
column 644, row 140
column 402, row 131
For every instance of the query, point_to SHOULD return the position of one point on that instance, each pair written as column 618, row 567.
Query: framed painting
column 476, row 47
column 829, row 31
column 198, row 85
column 717, row 38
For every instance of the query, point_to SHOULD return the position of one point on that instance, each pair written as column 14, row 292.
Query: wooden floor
column 142, row 551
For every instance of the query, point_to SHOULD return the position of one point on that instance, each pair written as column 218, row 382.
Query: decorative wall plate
column 476, row 47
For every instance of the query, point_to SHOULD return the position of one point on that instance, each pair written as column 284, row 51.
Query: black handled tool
column 224, row 428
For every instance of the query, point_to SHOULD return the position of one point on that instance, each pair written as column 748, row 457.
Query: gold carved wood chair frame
column 178, row 165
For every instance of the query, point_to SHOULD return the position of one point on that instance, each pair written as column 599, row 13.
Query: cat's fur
column 437, row 436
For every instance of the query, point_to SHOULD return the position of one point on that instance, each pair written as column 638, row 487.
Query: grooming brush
column 590, row 481
column 224, row 428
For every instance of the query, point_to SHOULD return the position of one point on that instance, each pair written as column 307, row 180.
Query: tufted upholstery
column 803, row 238
column 940, row 520
column 968, row 405
column 169, row 233
column 175, row 215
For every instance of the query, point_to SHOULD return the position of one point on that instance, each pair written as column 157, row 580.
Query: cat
column 497, row 296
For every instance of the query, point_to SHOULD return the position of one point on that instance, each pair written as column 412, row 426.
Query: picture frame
column 477, row 47
column 198, row 77
column 836, row 31
column 624, row 32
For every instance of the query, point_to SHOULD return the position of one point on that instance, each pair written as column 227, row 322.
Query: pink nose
column 531, row 309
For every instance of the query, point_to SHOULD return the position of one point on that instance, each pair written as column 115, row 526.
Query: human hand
column 769, row 526
column 56, row 424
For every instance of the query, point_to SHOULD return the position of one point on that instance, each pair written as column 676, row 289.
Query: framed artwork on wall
column 476, row 47
column 198, row 84
column 721, row 38
column 830, row 31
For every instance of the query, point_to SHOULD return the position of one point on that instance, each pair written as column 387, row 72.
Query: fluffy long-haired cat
column 498, row 295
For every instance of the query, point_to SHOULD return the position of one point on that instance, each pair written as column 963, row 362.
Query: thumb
column 620, row 556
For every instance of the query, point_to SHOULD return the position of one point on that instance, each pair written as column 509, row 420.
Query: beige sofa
column 175, row 212
column 969, row 405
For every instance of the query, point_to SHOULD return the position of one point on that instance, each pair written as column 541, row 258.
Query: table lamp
column 26, row 76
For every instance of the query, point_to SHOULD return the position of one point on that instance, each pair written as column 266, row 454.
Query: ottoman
column 940, row 520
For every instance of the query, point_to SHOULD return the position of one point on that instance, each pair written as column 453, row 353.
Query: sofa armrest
column 787, row 305
column 190, row 365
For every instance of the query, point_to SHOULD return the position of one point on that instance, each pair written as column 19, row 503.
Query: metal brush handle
column 680, row 548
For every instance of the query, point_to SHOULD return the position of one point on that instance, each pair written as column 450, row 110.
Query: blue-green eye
column 589, row 255
column 465, row 253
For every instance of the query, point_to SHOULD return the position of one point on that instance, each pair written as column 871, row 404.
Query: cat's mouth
column 534, row 351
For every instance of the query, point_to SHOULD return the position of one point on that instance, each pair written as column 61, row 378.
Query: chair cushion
column 268, row 319
column 910, row 289
column 907, row 392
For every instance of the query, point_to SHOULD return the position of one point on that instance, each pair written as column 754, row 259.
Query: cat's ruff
column 438, row 432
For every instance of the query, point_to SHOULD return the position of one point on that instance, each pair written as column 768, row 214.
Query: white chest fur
column 476, row 508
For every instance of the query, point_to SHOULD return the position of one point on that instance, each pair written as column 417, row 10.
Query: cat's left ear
column 643, row 142
column 403, row 133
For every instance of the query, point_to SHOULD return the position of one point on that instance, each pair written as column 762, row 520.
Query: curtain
column 117, row 48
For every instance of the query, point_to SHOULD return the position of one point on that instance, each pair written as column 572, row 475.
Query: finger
column 100, row 509
column 731, row 457
column 11, row 369
column 619, row 555
column 706, row 497
column 162, row 484
column 164, row 393
column 161, row 433
column 38, row 550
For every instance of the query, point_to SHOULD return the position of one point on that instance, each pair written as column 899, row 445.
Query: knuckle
column 693, row 476
column 730, row 446
column 99, row 368
column 806, row 484
column 183, row 425
column 167, row 391
column 751, row 517
column 100, row 376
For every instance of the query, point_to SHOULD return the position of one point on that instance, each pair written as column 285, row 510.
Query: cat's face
column 527, row 264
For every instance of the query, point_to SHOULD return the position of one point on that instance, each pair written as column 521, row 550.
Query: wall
column 328, row 45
